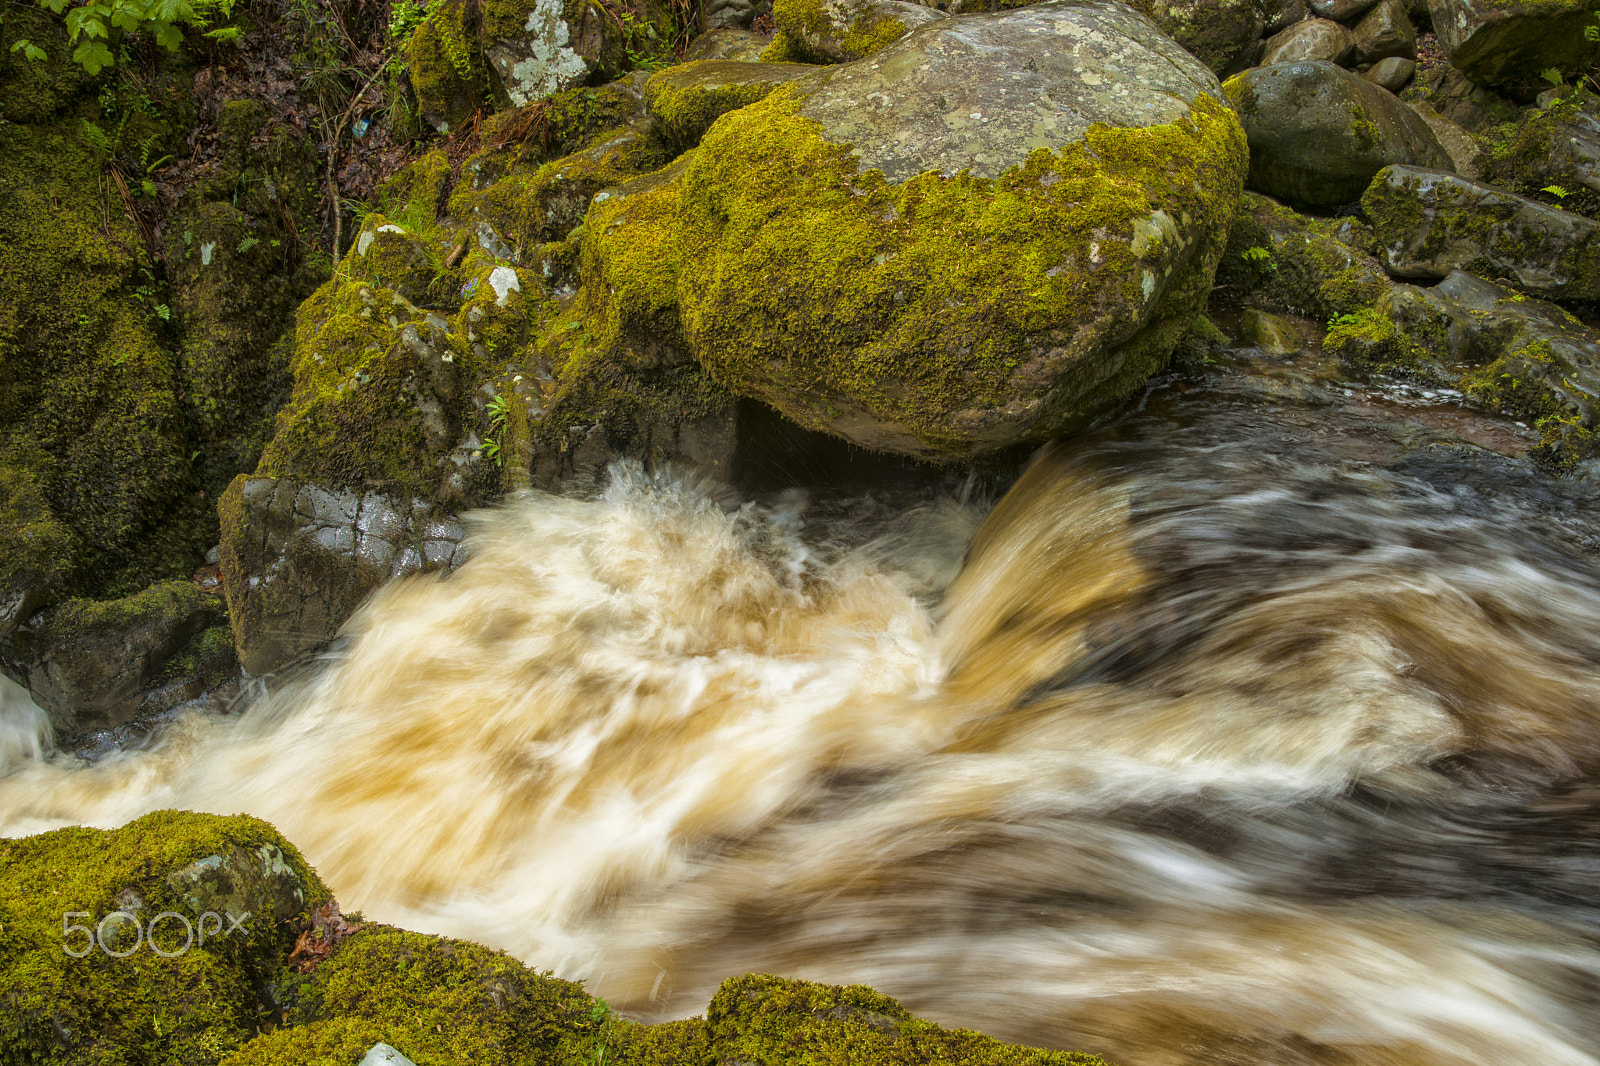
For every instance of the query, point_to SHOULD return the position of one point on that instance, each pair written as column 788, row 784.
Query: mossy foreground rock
column 98, row 965
column 837, row 31
column 81, row 982
column 992, row 230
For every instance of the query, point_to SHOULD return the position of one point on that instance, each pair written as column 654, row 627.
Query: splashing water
column 1198, row 757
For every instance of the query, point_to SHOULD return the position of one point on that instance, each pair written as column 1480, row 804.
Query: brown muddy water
column 1262, row 727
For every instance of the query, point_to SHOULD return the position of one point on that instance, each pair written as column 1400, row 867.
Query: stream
column 1262, row 726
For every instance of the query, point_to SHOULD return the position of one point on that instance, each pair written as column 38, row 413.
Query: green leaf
column 1555, row 190
column 28, row 49
column 169, row 37
column 92, row 56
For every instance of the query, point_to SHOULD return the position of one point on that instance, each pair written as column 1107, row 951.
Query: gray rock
column 958, row 102
column 1523, row 358
column 1271, row 334
column 1281, row 14
column 1318, row 134
column 1503, row 42
column 1463, row 148
column 1473, row 108
column 733, row 14
column 88, row 664
column 1384, row 31
column 1223, row 34
column 1429, row 223
column 1312, row 39
column 1340, row 9
column 726, row 42
column 1392, row 74
column 298, row 559
column 837, row 31
column 384, row 1055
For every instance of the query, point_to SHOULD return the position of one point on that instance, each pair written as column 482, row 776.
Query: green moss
column 1307, row 270
column 192, row 1007
column 448, row 73
column 685, row 100
column 1364, row 130
column 869, row 269
column 530, row 208
column 769, row 1020
column 868, row 33
column 88, row 391
column 783, row 49
column 562, row 123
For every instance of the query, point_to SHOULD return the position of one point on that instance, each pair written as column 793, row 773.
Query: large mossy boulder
column 1512, row 42
column 1222, row 34
column 1318, row 133
column 1429, row 223
column 993, row 230
column 108, row 953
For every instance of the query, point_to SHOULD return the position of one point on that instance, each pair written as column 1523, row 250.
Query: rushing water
column 1204, row 744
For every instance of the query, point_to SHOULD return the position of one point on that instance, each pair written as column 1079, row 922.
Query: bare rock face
column 990, row 231
column 297, row 560
column 1391, row 73
column 1340, row 9
column 1430, row 223
column 1503, row 42
column 1318, row 133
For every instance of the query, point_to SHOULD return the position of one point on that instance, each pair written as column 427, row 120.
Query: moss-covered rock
column 852, row 255
column 767, row 1020
column 1513, row 355
column 468, row 57
column 108, row 953
column 1429, row 223
column 1552, row 152
column 838, row 31
column 1318, row 133
column 1284, row 261
column 686, row 99
column 89, row 662
column 726, row 42
column 91, row 431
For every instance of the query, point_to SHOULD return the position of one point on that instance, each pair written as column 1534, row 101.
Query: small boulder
column 726, row 42
column 1558, row 146
column 1384, row 31
column 1319, row 133
column 297, row 559
column 1429, row 223
column 1507, row 42
column 1392, row 73
column 90, row 662
column 1313, row 39
column 1271, row 334
column 1340, row 10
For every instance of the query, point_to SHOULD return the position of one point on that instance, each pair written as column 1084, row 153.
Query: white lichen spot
column 503, row 280
column 365, row 241
column 552, row 64
column 205, row 252
column 390, row 227
column 1148, row 284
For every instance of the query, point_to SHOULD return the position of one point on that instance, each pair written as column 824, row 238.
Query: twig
column 333, row 153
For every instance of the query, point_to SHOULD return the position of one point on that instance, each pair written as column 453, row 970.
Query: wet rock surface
column 299, row 558
column 1429, row 223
